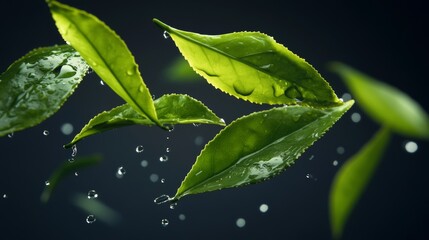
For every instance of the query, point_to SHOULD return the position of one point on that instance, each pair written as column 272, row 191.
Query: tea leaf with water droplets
column 34, row 87
column 350, row 181
column 384, row 103
column 257, row 147
column 64, row 170
column 254, row 67
column 171, row 109
column 106, row 53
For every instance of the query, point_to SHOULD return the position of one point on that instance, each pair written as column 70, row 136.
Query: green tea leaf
column 34, row 87
column 107, row 55
column 171, row 109
column 64, row 170
column 257, row 147
column 254, row 67
column 384, row 103
column 351, row 180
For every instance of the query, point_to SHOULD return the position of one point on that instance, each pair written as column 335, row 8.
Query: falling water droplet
column 166, row 34
column 163, row 158
column 173, row 205
column 120, row 172
column 101, row 83
column 47, row 183
column 92, row 194
column 162, row 180
column 90, row 219
column 74, row 150
column 167, row 149
column 310, row 176
column 411, row 147
column 144, row 163
column 70, row 160
column 45, row 132
column 311, row 157
column 10, row 135
column 335, row 163
column 263, row 208
column 165, row 222
column 76, row 174
column 139, row 149
column 241, row 222
column 4, row 195
column 162, row 199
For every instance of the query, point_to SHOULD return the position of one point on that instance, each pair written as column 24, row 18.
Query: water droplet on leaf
column 165, row 34
column 293, row 93
column 242, row 88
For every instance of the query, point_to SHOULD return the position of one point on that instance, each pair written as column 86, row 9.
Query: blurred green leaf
column 179, row 71
column 171, row 109
column 353, row 177
column 34, row 87
column 64, row 170
column 257, row 147
column 384, row 103
column 106, row 53
column 254, row 67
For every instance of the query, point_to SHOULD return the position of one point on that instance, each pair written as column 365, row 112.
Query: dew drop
column 131, row 71
column 45, row 132
column 335, row 163
column 163, row 158
column 263, row 208
column 92, row 194
column 355, row 117
column 90, row 219
column 241, row 222
column 166, row 34
column 411, row 147
column 242, row 89
column 67, row 128
column 182, row 217
column 162, row 199
column 120, row 172
column 144, row 163
column 139, row 149
column 165, row 222
column 66, row 71
column 293, row 93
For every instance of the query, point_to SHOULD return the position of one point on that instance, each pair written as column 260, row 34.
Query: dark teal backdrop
column 385, row 40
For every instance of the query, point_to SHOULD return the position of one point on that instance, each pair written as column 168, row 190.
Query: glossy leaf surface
column 384, row 103
column 106, row 53
column 351, row 180
column 65, row 170
column 34, row 87
column 171, row 109
column 257, row 147
column 254, row 67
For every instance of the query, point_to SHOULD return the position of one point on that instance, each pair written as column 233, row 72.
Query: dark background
column 386, row 40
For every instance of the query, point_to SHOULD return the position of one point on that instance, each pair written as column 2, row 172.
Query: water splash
column 74, row 150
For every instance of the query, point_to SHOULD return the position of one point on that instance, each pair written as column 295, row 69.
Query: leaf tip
column 161, row 25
